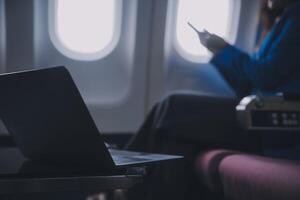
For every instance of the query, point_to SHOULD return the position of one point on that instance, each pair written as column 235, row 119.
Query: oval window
column 84, row 29
column 214, row 16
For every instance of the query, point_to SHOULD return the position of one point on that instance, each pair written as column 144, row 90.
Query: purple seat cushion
column 207, row 168
column 248, row 177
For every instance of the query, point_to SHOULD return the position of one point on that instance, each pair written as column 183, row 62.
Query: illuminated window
column 216, row 16
column 84, row 29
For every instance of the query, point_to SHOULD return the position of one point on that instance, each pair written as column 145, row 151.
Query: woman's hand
column 212, row 42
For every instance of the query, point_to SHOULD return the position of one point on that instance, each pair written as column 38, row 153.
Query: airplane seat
column 237, row 175
column 242, row 176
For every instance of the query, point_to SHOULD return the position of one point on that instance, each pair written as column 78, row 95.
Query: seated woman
column 189, row 124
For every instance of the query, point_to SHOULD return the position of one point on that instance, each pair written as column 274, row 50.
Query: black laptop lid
column 46, row 115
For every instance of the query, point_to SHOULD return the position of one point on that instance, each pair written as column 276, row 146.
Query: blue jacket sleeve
column 245, row 73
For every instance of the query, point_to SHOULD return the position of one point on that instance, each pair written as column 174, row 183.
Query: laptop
column 49, row 121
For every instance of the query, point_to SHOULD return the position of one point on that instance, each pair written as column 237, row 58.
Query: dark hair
column 269, row 16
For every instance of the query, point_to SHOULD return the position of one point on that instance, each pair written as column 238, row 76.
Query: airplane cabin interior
column 149, row 99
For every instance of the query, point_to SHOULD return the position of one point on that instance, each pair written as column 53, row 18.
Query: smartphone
column 193, row 27
column 201, row 33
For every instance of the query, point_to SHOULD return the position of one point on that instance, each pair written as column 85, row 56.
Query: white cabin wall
column 19, row 35
column 2, row 49
column 2, row 36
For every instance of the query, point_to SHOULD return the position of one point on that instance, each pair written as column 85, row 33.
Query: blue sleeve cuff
column 226, row 62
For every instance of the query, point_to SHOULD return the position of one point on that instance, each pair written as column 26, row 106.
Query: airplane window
column 215, row 16
column 83, row 29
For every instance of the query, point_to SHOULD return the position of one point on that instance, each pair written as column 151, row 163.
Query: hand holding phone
column 212, row 42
